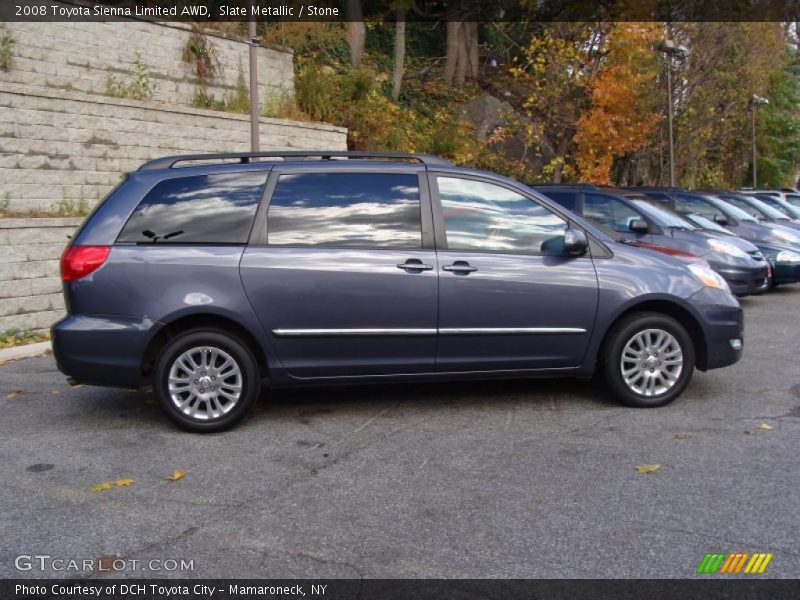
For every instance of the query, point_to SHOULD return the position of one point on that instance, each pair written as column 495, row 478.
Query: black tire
column 624, row 332
column 248, row 379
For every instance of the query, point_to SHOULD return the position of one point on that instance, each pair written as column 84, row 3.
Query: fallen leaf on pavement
column 105, row 563
column 101, row 487
column 647, row 468
column 124, row 482
column 14, row 393
column 764, row 427
column 176, row 475
column 684, row 435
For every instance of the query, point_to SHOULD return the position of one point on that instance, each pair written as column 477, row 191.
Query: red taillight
column 79, row 261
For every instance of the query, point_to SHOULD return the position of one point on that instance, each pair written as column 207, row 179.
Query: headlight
column 784, row 236
column 788, row 256
column 708, row 277
column 724, row 247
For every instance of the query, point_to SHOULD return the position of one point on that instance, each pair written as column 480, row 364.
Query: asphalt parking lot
column 499, row 479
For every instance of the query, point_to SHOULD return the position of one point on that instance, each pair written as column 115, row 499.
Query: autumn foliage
column 623, row 114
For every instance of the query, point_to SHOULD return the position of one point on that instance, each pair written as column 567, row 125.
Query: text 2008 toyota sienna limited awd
column 204, row 280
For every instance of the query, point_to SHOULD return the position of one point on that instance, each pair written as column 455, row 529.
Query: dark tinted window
column 352, row 210
column 215, row 209
column 568, row 200
column 697, row 205
column 481, row 216
column 609, row 211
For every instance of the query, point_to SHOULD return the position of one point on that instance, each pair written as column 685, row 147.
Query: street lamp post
column 755, row 101
column 669, row 49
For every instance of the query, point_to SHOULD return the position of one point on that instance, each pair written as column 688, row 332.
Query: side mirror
column 575, row 242
column 638, row 226
column 720, row 219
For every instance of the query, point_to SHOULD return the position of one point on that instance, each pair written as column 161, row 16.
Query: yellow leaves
column 176, row 475
column 647, row 468
column 764, row 427
column 107, row 485
column 13, row 394
column 683, row 435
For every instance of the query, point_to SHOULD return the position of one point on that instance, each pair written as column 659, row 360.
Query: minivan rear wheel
column 649, row 360
column 206, row 380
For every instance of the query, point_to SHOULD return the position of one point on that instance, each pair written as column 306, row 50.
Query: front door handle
column 460, row 266
column 414, row 265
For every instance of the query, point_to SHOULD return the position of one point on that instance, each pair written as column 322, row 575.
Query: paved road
column 521, row 479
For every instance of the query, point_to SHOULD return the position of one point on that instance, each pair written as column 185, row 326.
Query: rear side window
column 346, row 210
column 205, row 209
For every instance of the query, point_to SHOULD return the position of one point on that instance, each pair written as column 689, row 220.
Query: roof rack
column 169, row 162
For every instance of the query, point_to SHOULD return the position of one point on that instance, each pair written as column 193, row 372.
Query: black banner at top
column 418, row 10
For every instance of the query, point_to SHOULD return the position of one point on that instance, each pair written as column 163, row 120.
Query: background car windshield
column 481, row 216
column 736, row 212
column 754, row 206
column 661, row 217
column 706, row 223
column 793, row 199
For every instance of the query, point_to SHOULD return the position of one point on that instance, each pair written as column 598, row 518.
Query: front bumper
column 744, row 280
column 786, row 272
column 102, row 350
column 723, row 329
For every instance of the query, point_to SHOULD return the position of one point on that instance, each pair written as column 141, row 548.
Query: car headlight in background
column 708, row 277
column 784, row 236
column 725, row 247
column 788, row 256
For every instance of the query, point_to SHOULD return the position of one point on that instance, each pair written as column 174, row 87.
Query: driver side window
column 484, row 217
column 609, row 211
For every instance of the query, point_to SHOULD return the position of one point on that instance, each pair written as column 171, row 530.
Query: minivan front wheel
column 649, row 360
column 206, row 380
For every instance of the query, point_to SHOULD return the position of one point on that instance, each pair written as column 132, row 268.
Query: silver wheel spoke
column 199, row 388
column 651, row 362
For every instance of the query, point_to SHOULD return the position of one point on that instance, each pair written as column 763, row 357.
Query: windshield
column 793, row 199
column 736, row 212
column 662, row 217
column 753, row 204
column 706, row 223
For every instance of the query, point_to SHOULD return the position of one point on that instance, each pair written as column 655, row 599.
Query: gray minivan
column 205, row 276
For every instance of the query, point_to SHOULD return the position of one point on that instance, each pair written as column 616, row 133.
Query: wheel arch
column 672, row 309
column 188, row 322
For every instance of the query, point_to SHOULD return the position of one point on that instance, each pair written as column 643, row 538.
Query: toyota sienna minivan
column 205, row 277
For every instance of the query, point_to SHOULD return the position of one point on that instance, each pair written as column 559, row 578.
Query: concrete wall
column 80, row 56
column 56, row 144
column 30, row 287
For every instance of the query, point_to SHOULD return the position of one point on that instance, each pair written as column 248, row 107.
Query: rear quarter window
column 203, row 209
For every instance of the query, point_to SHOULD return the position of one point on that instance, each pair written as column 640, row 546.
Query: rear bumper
column 102, row 350
column 744, row 281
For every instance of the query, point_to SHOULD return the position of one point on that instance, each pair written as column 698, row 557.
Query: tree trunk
column 472, row 49
column 461, row 55
column 356, row 31
column 399, row 54
column 451, row 59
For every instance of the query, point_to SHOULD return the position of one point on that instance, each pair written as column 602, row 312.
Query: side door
column 616, row 214
column 510, row 298
column 341, row 271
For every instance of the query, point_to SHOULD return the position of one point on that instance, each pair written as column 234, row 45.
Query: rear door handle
column 460, row 266
column 414, row 265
